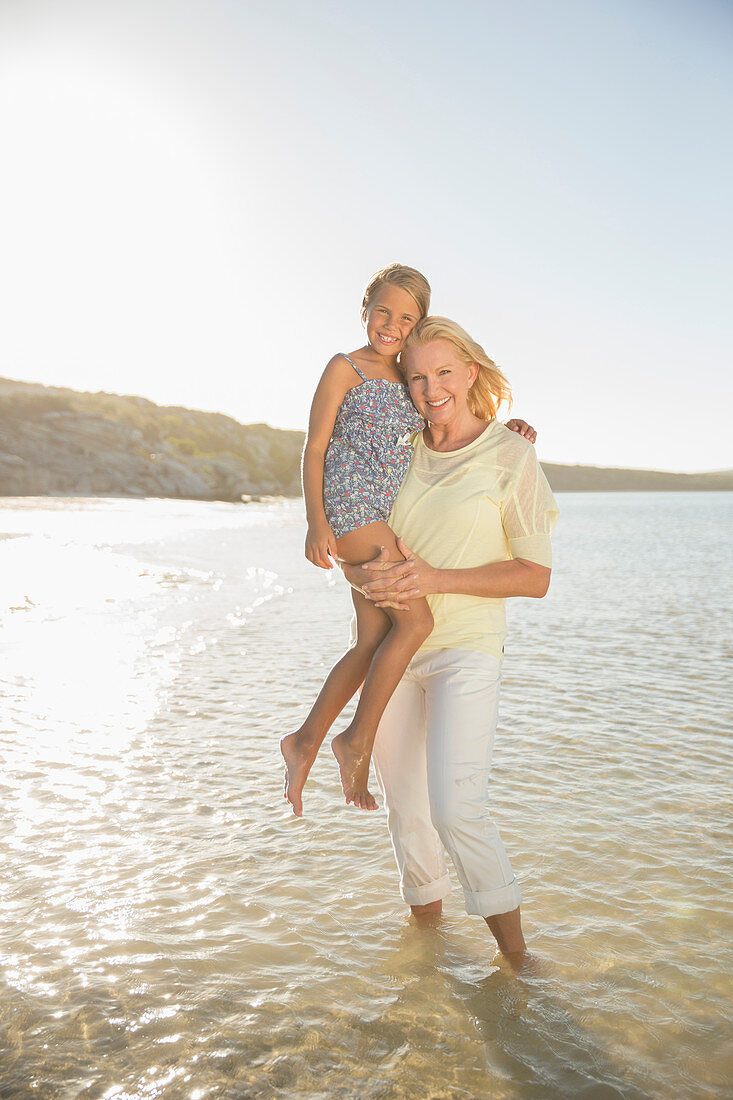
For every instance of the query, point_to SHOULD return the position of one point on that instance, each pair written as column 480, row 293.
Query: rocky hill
column 64, row 443
column 60, row 442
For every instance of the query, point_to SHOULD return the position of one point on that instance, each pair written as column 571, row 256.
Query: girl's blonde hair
column 408, row 278
column 490, row 387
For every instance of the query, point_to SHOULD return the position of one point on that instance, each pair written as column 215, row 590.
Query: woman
column 475, row 514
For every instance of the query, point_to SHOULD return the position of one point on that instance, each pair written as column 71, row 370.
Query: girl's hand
column 523, row 428
column 320, row 541
column 405, row 581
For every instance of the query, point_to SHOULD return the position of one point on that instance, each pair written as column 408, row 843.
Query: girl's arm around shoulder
column 336, row 380
column 521, row 427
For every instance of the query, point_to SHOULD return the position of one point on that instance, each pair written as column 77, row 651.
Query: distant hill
column 60, row 442
column 64, row 443
column 599, row 478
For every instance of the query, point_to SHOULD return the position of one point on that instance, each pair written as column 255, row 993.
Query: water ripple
column 171, row 931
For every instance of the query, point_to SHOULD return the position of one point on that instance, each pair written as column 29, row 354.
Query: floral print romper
column 369, row 453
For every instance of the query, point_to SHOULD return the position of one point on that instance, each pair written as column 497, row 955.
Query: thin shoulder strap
column 361, row 375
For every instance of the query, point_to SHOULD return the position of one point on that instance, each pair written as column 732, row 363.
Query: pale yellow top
column 486, row 502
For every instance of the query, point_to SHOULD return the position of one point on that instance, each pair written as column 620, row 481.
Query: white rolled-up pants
column 432, row 757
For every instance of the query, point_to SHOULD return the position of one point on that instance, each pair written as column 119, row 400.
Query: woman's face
column 439, row 381
column 390, row 318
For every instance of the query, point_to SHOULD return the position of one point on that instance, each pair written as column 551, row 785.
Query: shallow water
column 170, row 930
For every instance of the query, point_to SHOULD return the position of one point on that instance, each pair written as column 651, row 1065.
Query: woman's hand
column 522, row 428
column 407, row 580
column 359, row 575
column 320, row 541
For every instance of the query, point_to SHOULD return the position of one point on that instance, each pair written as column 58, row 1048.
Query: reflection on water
column 171, row 931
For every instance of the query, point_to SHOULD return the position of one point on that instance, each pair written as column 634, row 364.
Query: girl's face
column 390, row 318
column 439, row 381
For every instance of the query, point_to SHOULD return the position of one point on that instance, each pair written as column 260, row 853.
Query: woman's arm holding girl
column 415, row 577
column 528, row 517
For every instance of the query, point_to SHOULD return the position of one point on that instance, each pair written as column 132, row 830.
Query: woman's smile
column 439, row 382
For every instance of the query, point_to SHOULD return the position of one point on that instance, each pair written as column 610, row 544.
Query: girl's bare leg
column 353, row 747
column 300, row 749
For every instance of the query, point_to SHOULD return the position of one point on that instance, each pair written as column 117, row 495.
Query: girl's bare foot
column 299, row 754
column 354, row 771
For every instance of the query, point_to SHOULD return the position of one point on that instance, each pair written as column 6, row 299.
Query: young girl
column 357, row 452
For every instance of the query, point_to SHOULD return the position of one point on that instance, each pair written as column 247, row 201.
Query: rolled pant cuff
column 424, row 895
column 490, row 903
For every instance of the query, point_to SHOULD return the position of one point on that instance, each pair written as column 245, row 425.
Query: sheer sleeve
column 530, row 512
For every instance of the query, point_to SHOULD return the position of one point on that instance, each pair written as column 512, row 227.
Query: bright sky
column 194, row 192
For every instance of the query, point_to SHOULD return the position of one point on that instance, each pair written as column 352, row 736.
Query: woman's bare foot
column 354, row 771
column 299, row 752
column 524, row 964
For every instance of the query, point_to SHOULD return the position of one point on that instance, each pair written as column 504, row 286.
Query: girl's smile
column 390, row 319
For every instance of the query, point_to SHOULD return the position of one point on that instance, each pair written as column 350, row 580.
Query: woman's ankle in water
column 427, row 914
column 506, row 928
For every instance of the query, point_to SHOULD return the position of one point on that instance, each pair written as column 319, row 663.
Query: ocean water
column 170, row 930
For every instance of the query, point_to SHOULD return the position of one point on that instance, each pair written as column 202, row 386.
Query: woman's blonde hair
column 408, row 278
column 490, row 387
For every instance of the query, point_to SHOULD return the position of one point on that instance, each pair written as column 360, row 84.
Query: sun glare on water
column 76, row 681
